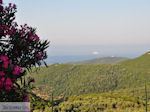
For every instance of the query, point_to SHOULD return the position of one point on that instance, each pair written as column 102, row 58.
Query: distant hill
column 103, row 60
column 142, row 62
column 72, row 79
column 69, row 58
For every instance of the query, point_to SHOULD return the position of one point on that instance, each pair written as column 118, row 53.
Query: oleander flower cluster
column 20, row 50
column 8, row 73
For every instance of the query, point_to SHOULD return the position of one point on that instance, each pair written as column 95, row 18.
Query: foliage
column 98, row 87
column 103, row 60
column 123, row 100
column 70, row 79
column 100, row 103
column 37, row 103
column 20, row 50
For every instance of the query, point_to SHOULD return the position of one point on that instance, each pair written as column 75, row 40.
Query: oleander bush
column 20, row 50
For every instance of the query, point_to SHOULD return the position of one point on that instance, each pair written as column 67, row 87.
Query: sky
column 84, row 27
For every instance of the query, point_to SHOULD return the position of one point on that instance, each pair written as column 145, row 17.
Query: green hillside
column 103, row 60
column 118, row 101
column 96, row 87
column 70, row 79
column 139, row 69
column 124, row 100
column 141, row 63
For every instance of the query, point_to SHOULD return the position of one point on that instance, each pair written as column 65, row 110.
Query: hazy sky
column 86, row 26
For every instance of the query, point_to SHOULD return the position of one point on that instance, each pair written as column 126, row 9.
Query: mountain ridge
column 102, row 60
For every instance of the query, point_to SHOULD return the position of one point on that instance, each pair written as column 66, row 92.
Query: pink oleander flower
column 5, row 61
column 1, row 8
column 2, row 74
column 8, row 84
column 26, row 98
column 39, row 55
column 1, row 1
column 17, row 70
column 2, row 82
column 14, row 6
column 33, row 37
